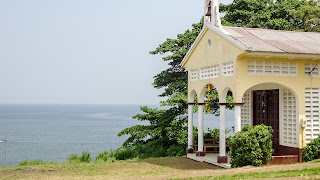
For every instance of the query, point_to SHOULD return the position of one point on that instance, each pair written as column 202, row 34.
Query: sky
column 87, row 51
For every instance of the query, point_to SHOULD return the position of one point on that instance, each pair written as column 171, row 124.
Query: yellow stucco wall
column 221, row 51
column 296, row 84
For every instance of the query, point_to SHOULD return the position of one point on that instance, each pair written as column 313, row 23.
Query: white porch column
column 222, row 158
column 237, row 117
column 200, row 151
column 190, row 128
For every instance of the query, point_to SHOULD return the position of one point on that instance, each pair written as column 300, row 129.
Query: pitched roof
column 267, row 40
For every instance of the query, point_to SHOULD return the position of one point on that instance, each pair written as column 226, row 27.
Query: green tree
column 261, row 13
column 246, row 13
column 307, row 17
column 167, row 128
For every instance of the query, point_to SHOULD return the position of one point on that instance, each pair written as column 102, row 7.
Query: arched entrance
column 274, row 105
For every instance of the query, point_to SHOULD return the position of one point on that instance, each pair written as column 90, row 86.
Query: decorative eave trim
column 193, row 46
column 285, row 55
column 224, row 34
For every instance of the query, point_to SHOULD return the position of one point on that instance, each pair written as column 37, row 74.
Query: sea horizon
column 52, row 132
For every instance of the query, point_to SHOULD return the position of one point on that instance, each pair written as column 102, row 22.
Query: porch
column 271, row 104
column 211, row 159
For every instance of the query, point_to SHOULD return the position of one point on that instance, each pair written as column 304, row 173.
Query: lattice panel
column 209, row 72
column 312, row 70
column 289, row 119
column 312, row 96
column 272, row 68
column 227, row 69
column 245, row 109
column 194, row 75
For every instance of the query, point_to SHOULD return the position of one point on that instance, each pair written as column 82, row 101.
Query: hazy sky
column 87, row 51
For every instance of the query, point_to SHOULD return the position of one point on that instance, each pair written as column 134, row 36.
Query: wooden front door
column 266, row 111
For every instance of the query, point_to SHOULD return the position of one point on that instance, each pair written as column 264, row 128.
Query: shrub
column 312, row 150
column 176, row 150
column 103, row 156
column 73, row 158
column 251, row 146
column 85, row 157
column 34, row 163
column 214, row 133
column 124, row 153
column 150, row 150
column 138, row 150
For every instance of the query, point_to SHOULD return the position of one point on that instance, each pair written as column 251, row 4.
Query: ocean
column 53, row 132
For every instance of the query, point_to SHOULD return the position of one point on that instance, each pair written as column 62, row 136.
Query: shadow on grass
column 181, row 163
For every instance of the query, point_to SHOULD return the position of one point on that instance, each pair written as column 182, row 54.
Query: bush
column 214, row 133
column 73, row 158
column 103, row 156
column 150, row 150
column 138, row 150
column 124, row 153
column 176, row 150
column 34, row 163
column 312, row 150
column 251, row 146
column 85, row 157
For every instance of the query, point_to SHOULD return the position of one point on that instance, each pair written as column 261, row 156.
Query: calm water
column 52, row 132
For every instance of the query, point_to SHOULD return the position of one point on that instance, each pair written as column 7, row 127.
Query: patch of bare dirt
column 25, row 171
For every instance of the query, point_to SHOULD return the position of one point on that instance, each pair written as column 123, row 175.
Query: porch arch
column 224, row 93
column 289, row 125
column 203, row 93
column 191, row 96
column 269, row 85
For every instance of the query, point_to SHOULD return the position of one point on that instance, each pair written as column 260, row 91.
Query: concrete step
column 285, row 159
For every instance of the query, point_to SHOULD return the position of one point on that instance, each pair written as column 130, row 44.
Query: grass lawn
column 256, row 175
column 128, row 169
column 155, row 168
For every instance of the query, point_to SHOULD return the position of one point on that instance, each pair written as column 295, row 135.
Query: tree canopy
column 289, row 15
column 167, row 128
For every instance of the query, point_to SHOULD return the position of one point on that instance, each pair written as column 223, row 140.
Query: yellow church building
column 273, row 75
